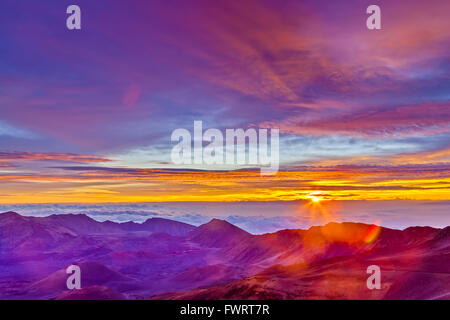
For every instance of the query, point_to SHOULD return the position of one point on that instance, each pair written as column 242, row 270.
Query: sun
column 318, row 207
column 315, row 199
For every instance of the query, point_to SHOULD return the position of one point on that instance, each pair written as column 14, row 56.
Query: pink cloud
column 425, row 118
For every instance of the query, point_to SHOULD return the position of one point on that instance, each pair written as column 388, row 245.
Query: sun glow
column 317, row 208
column 315, row 196
column 315, row 199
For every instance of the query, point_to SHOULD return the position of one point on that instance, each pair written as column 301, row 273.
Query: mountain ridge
column 76, row 223
column 221, row 258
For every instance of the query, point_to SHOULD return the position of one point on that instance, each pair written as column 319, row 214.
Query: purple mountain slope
column 92, row 293
column 16, row 229
column 93, row 273
column 217, row 260
column 218, row 233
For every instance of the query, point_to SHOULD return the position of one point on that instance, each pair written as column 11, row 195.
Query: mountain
column 46, row 232
column 172, row 227
column 202, row 276
column 332, row 279
column 83, row 225
column 92, row 274
column 414, row 263
column 79, row 224
column 218, row 233
column 166, row 259
column 26, row 233
column 92, row 293
column 442, row 239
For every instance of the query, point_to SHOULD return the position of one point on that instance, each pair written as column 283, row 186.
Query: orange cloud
column 441, row 156
column 90, row 184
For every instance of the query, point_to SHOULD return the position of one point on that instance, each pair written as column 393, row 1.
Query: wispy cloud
column 70, row 157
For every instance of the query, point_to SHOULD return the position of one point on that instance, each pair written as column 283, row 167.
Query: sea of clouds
column 256, row 217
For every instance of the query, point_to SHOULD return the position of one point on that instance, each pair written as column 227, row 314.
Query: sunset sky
column 86, row 116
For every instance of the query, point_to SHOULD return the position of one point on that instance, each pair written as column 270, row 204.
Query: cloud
column 428, row 181
column 69, row 157
column 16, row 132
column 255, row 217
column 425, row 119
column 253, row 62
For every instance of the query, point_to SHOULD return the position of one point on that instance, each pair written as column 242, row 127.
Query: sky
column 86, row 115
